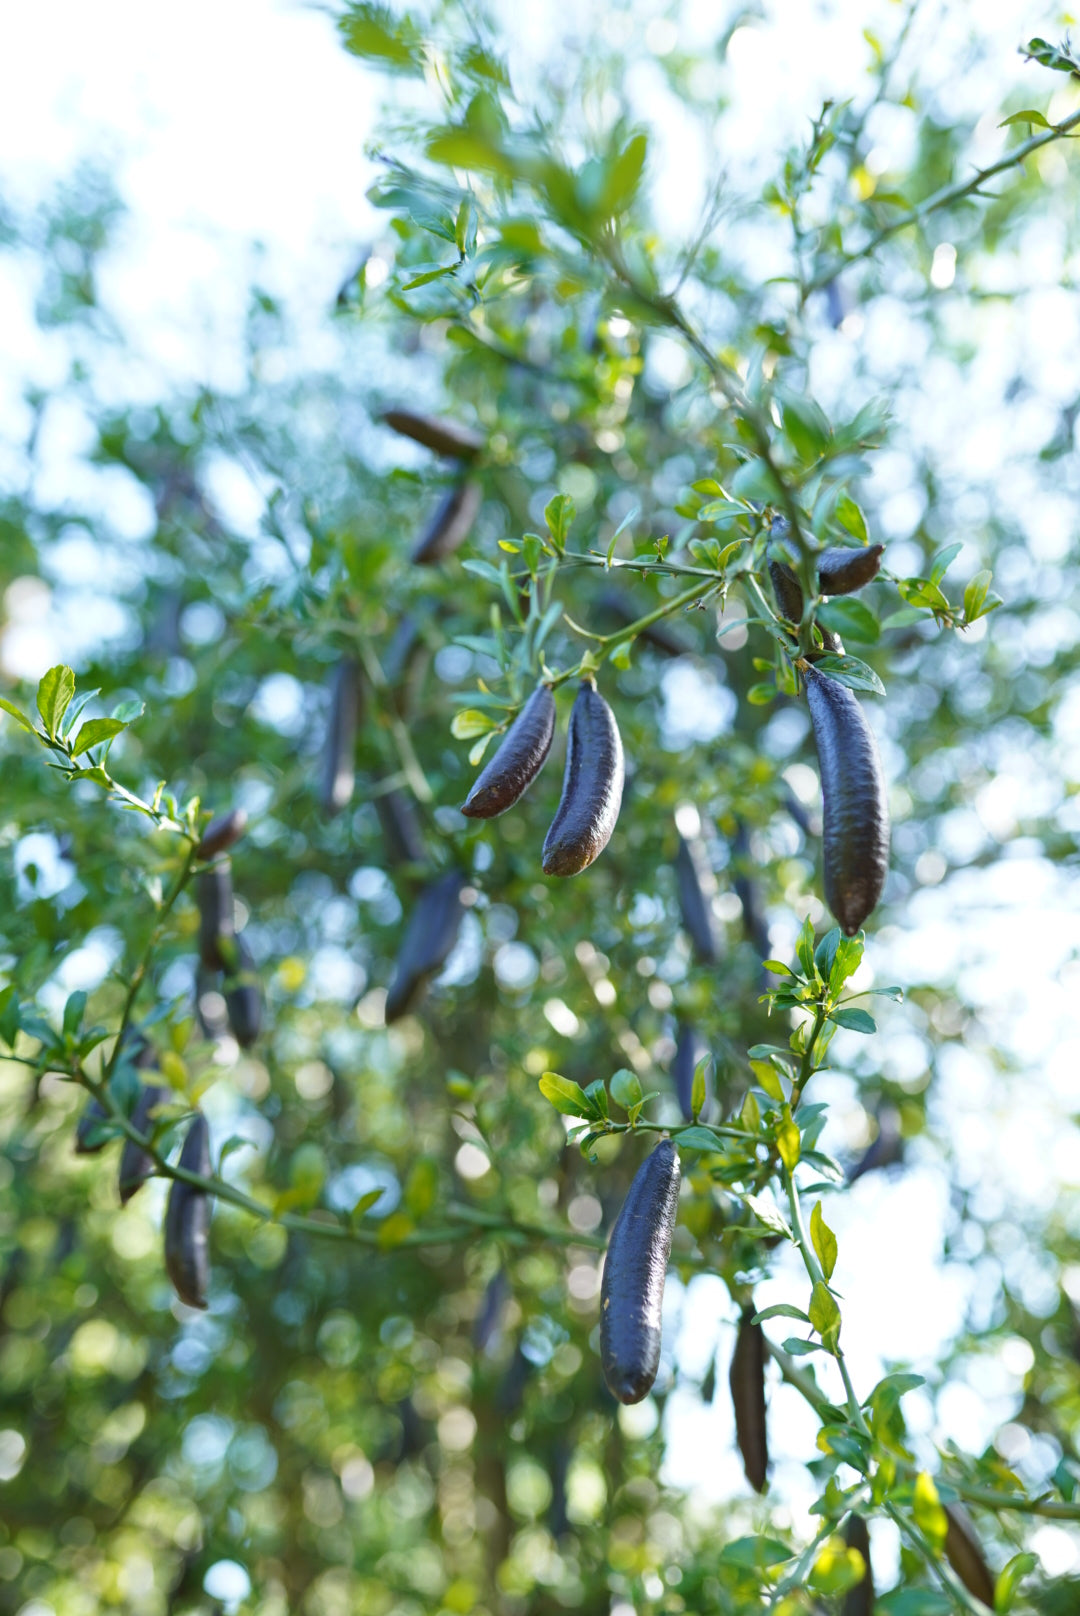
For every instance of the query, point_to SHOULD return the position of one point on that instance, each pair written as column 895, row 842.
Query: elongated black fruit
column 855, row 817
column 85, row 1143
column 886, row 1150
column 592, row 787
column 841, row 571
column 518, row 760
column 400, row 827
column 859, row 1601
column 429, row 937
column 136, row 1166
column 187, row 1221
column 747, row 1382
column 755, row 923
column 435, row 432
column 243, row 1000
column 217, row 920
column 786, row 589
column 682, row 1068
column 222, row 833
column 450, row 525
column 964, row 1553
column 632, row 1292
column 694, row 878
column 339, row 748
column 496, row 1295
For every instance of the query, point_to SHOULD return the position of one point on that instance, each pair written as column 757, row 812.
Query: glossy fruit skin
column 450, row 525
column 686, row 1057
column 187, row 1221
column 964, row 1553
column 444, row 437
column 222, row 833
column 402, row 836
column 788, row 593
column 592, row 787
column 135, row 1165
column 859, row 1601
column 692, row 876
column 841, row 571
column 855, row 817
column 242, row 998
column 217, row 921
column 93, row 1113
column 429, row 937
column 747, row 1382
column 518, row 760
column 632, row 1292
column 339, row 748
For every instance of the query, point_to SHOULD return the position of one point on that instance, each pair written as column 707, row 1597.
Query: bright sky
column 235, row 133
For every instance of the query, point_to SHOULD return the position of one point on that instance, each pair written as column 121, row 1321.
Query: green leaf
column 975, row 594
column 697, row 1137
column 565, row 1095
column 905, row 617
column 54, row 693
column 826, row 951
column 930, row 1518
column 16, row 713
column 769, row 1078
column 625, row 1088
column 804, row 948
column 483, row 569
column 74, row 1010
column 825, row 1315
column 942, row 561
column 850, row 516
column 824, row 1241
column 768, row 1213
column 94, row 731
column 367, row 1201
column 697, row 1090
column 807, row 427
column 755, row 1553
column 777, row 968
column 781, row 1310
column 760, row 695
column 850, row 618
column 559, row 514
column 427, row 275
column 848, row 670
column 1029, row 115
column 854, row 1020
column 1010, row 1579
column 914, row 1602
column 624, row 175
column 789, row 1143
column 596, row 1095
column 374, row 33
column 128, row 711
column 466, row 725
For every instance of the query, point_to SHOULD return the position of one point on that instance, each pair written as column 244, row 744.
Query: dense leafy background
column 408, row 1423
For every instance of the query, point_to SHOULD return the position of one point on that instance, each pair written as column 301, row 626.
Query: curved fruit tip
column 629, row 1386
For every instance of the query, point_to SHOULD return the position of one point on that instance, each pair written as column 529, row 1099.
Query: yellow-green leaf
column 825, row 1315
column 930, row 1518
column 824, row 1241
column 767, row 1076
column 470, row 723
column 789, row 1144
column 565, row 1095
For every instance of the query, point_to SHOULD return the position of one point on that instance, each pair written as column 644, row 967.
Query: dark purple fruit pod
column 687, row 1047
column 632, row 1292
column 855, row 814
column 964, row 1553
column 747, row 1382
column 136, row 1164
column 429, row 938
column 87, row 1140
column 786, row 591
column 518, row 760
column 339, row 746
column 187, row 1221
column 217, row 916
column 694, row 881
column 450, row 525
column 403, row 838
column 592, row 787
column 859, row 1601
column 841, row 571
column 243, row 1000
column 444, row 437
column 222, row 833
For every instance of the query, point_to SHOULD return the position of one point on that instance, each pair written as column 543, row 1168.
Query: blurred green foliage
column 393, row 1403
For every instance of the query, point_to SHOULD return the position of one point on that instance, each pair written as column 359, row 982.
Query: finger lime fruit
column 519, row 759
column 217, row 919
column 694, row 881
column 841, row 571
column 444, row 437
column 187, row 1221
column 747, row 1382
column 592, row 787
column 855, row 812
column 89, row 1138
column 339, row 747
column 222, row 833
column 429, row 937
column 136, row 1165
column 786, row 590
column 632, row 1292
column 242, row 998
column 859, row 1601
column 964, row 1553
column 755, row 921
column 400, row 827
column 450, row 524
